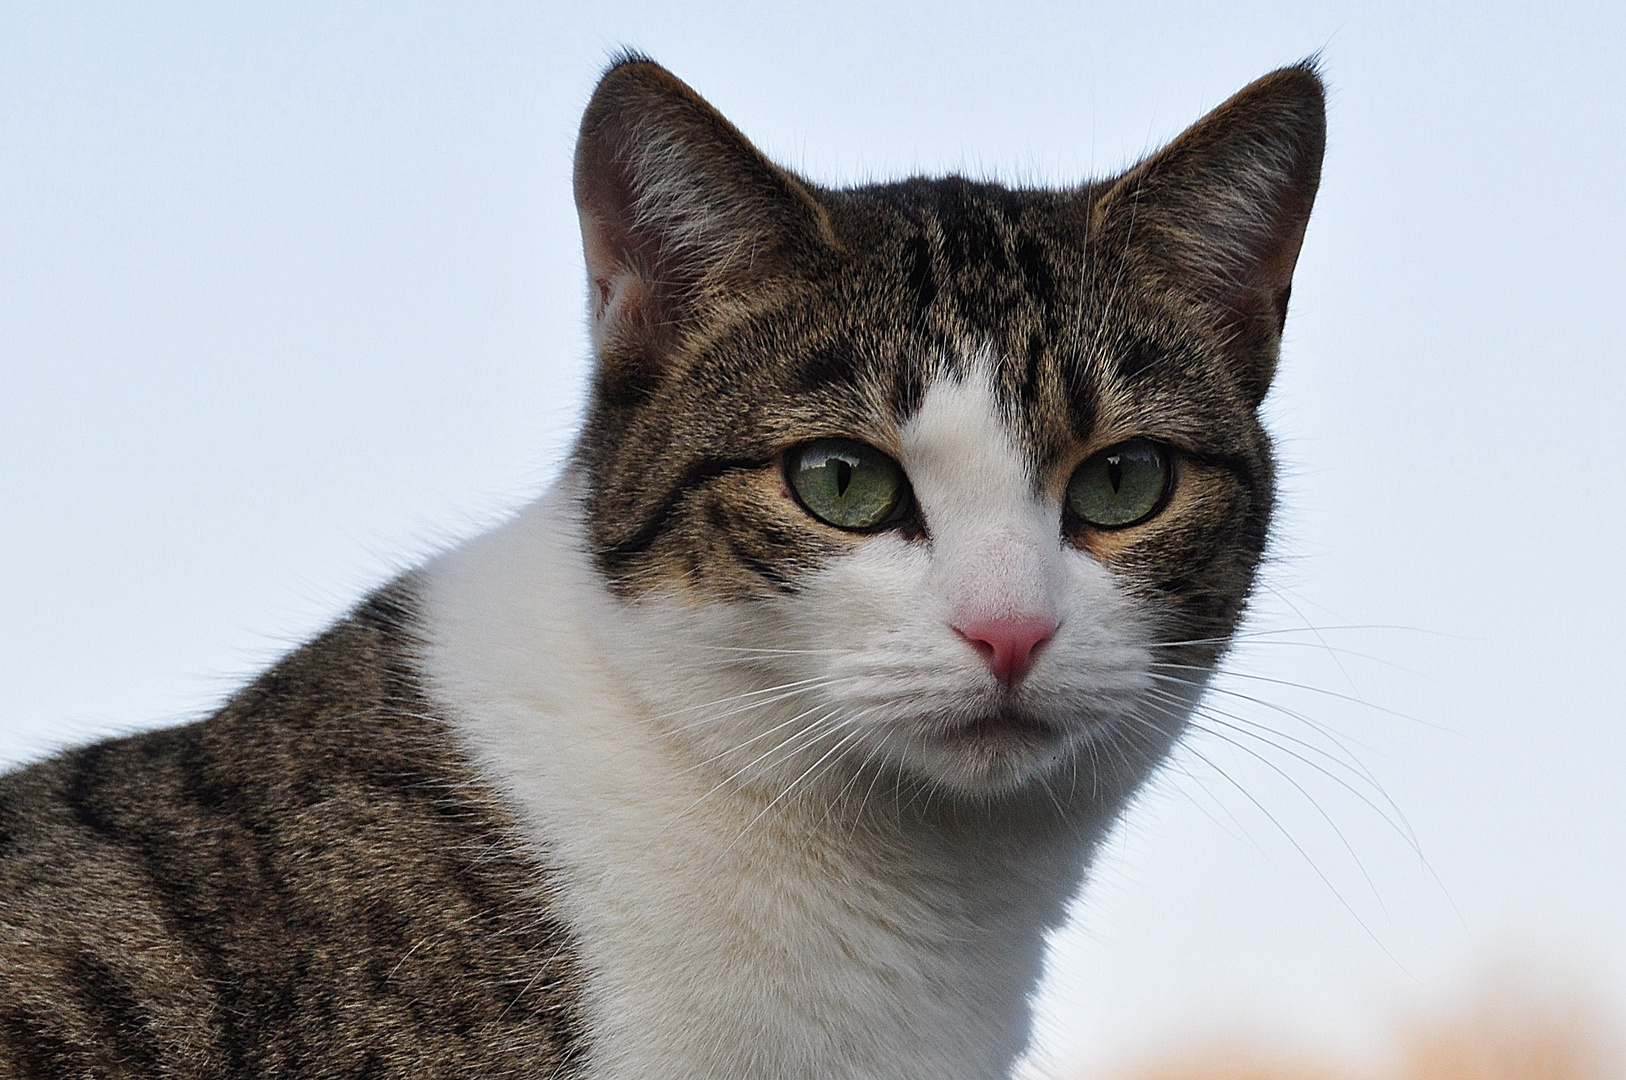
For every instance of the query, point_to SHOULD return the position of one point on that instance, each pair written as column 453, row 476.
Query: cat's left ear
column 1219, row 214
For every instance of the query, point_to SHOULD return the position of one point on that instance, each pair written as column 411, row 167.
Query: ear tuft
column 680, row 215
column 1220, row 213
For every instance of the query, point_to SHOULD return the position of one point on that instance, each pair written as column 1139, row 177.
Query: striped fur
column 311, row 883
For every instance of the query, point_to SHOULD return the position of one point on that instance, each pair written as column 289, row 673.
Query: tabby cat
column 905, row 527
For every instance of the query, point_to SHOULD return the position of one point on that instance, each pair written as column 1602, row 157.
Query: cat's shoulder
column 314, row 873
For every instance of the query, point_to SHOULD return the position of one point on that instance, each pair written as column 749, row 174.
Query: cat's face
column 937, row 478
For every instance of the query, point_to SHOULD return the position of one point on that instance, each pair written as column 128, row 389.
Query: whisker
column 775, row 801
column 809, row 735
column 772, row 652
column 1389, row 812
column 1314, row 690
column 1319, row 809
column 1176, row 765
column 1349, row 761
column 790, row 690
column 738, row 773
column 1287, row 835
column 1255, row 635
column 1279, row 595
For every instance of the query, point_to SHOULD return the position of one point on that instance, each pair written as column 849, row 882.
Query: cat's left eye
column 845, row 483
column 1121, row 486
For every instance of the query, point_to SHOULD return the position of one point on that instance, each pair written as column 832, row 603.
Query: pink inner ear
column 620, row 295
column 600, row 269
column 1008, row 645
column 625, row 301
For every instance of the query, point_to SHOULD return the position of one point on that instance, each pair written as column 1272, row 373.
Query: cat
column 904, row 529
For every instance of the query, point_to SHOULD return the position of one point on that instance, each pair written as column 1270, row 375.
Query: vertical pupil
column 1115, row 471
column 844, row 475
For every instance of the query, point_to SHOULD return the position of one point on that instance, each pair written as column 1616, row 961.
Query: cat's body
column 904, row 530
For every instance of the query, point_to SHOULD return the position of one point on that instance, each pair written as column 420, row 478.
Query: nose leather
column 1007, row 644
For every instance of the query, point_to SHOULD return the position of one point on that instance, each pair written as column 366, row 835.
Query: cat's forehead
column 966, row 261
column 948, row 282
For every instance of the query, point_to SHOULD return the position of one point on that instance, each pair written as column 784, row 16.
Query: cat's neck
column 861, row 928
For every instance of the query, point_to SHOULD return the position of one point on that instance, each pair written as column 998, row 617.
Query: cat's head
column 942, row 477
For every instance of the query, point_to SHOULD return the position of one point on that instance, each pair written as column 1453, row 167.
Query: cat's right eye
column 845, row 483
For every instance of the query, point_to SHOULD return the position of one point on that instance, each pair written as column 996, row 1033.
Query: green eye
column 1122, row 485
column 846, row 484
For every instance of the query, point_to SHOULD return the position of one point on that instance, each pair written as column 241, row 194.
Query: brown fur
column 310, row 883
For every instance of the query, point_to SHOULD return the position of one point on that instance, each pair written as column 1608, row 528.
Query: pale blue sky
column 291, row 296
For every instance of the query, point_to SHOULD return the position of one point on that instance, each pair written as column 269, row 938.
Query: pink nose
column 1007, row 644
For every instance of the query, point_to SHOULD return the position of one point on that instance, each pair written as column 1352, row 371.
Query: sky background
column 290, row 296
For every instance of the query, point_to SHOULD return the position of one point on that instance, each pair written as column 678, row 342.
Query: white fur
column 778, row 864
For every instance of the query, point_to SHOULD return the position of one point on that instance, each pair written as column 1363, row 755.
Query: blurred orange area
column 1517, row 1030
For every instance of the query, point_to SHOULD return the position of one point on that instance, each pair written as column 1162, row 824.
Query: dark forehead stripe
column 983, row 268
column 992, row 270
column 1136, row 359
column 830, row 364
column 969, row 238
column 922, row 278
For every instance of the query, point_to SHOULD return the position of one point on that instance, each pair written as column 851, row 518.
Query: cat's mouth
column 1005, row 729
column 996, row 748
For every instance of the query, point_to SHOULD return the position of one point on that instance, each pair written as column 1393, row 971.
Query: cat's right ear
column 682, row 219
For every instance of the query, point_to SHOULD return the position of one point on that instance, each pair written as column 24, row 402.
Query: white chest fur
column 729, row 932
